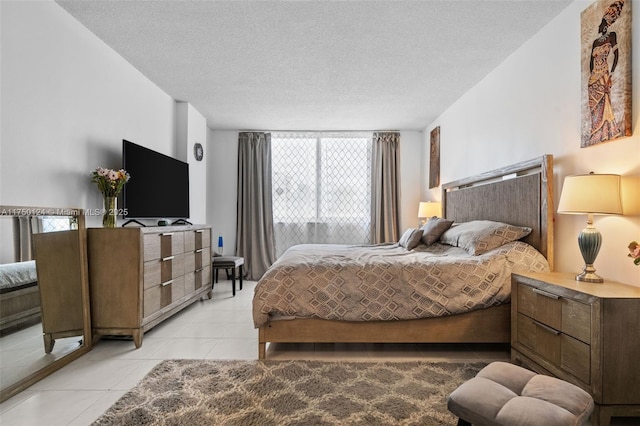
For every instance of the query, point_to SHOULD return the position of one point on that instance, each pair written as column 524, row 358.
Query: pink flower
column 634, row 252
column 113, row 175
column 102, row 172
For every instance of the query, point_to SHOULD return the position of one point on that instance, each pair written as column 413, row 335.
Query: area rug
column 287, row 393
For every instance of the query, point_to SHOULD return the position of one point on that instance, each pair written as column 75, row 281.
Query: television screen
column 159, row 184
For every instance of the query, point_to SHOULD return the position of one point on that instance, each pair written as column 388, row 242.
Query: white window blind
column 321, row 185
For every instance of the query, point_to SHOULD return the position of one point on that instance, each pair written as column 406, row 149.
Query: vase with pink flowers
column 634, row 252
column 110, row 183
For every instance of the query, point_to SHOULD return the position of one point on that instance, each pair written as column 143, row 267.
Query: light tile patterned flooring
column 220, row 328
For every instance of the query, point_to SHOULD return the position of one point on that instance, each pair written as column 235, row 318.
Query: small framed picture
column 434, row 158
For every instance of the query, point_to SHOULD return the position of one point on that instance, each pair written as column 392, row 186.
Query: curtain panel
column 254, row 225
column 23, row 229
column 385, row 187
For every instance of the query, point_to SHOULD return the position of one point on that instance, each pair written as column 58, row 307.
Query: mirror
column 44, row 298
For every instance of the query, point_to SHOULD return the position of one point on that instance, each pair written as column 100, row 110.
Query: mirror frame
column 34, row 377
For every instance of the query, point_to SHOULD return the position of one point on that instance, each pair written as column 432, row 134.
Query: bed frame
column 19, row 307
column 520, row 194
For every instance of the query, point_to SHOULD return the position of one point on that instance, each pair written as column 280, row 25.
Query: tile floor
column 220, row 328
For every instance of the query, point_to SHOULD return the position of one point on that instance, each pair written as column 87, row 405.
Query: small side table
column 229, row 264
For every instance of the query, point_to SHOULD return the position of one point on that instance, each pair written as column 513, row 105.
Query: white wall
column 222, row 177
column 529, row 106
column 411, row 166
column 222, row 163
column 192, row 128
column 67, row 102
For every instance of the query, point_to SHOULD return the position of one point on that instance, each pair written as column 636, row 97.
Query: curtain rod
column 319, row 131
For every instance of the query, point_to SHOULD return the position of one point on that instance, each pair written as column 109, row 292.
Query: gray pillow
column 479, row 236
column 411, row 238
column 433, row 229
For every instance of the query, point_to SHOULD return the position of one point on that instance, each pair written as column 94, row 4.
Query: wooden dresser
column 587, row 334
column 138, row 277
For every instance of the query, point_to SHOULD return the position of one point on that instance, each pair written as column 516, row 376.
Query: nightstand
column 587, row 334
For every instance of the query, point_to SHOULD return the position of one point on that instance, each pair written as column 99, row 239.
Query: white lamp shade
column 429, row 209
column 592, row 193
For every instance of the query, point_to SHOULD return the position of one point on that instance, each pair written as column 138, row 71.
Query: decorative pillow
column 411, row 238
column 433, row 229
column 479, row 236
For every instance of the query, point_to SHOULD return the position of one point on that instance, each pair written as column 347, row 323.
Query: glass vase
column 110, row 212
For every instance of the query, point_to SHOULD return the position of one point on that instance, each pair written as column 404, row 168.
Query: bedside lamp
column 428, row 209
column 590, row 194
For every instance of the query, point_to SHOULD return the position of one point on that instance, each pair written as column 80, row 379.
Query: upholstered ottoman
column 505, row 394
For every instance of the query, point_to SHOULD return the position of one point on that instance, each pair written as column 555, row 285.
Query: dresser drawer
column 189, row 262
column 560, row 313
column 203, row 277
column 202, row 258
column 203, row 238
column 151, row 302
column 177, row 289
column 171, row 243
column 163, row 244
column 151, row 246
column 162, row 295
column 189, row 241
column 197, row 239
column 171, row 267
column 162, row 270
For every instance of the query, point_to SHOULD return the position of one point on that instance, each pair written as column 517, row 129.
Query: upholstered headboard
column 520, row 194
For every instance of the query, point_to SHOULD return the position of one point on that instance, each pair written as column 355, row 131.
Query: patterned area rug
column 194, row 392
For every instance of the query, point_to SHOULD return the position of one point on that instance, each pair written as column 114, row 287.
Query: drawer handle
column 546, row 294
column 199, row 250
column 547, row 328
column 164, row 259
column 199, row 231
column 198, row 270
column 166, row 234
column 166, row 283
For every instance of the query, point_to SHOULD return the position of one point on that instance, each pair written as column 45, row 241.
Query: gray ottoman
column 505, row 394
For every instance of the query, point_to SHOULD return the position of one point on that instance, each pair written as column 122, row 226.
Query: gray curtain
column 23, row 229
column 385, row 188
column 254, row 226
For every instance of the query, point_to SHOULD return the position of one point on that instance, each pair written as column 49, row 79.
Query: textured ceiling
column 316, row 65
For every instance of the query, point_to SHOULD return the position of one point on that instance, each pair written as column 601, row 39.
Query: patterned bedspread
column 17, row 275
column 387, row 282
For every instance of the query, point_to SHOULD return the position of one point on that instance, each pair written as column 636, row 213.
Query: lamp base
column 589, row 275
column 589, row 242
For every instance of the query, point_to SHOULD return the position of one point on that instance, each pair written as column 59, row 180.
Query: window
column 58, row 223
column 321, row 185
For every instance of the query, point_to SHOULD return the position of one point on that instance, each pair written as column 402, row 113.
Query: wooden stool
column 229, row 264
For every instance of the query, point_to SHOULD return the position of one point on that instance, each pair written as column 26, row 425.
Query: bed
column 519, row 195
column 19, row 297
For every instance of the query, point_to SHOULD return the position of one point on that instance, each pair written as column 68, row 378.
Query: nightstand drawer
column 540, row 338
column 575, row 358
column 566, row 315
column 561, row 350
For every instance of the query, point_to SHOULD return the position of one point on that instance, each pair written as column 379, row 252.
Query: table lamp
column 428, row 209
column 590, row 194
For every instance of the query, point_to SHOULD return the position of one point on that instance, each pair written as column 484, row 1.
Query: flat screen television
column 159, row 184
